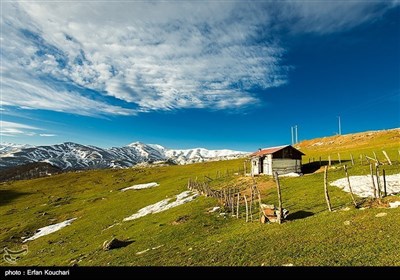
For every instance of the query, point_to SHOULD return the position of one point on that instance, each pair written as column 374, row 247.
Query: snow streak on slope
column 141, row 186
column 10, row 148
column 49, row 229
column 362, row 185
column 199, row 155
column 163, row 205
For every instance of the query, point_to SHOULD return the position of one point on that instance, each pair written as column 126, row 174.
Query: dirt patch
column 244, row 183
column 265, row 185
column 180, row 220
column 378, row 203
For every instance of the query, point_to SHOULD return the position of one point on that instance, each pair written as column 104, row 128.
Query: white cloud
column 47, row 135
column 330, row 16
column 13, row 129
column 158, row 56
column 155, row 55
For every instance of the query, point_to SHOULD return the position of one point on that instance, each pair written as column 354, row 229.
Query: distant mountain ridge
column 70, row 155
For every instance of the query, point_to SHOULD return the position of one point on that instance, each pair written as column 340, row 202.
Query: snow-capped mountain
column 9, row 148
column 76, row 156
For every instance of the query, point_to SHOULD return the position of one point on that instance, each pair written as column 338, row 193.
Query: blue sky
column 213, row 74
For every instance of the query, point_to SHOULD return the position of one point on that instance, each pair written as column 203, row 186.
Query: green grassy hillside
column 189, row 234
column 357, row 144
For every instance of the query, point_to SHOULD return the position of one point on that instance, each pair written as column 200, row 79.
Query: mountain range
column 73, row 156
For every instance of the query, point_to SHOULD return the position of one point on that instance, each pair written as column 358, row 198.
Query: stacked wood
column 271, row 214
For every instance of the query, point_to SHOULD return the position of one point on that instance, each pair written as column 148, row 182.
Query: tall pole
column 296, row 134
column 340, row 128
column 291, row 128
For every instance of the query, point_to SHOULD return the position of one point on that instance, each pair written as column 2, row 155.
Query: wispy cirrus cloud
column 13, row 129
column 121, row 58
column 322, row 17
column 47, row 135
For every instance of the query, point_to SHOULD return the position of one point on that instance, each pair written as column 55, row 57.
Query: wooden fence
column 378, row 186
column 240, row 202
column 362, row 159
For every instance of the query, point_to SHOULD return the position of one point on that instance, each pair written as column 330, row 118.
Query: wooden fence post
column 352, row 159
column 340, row 161
column 237, row 205
column 348, row 182
column 329, row 160
column 328, row 202
column 251, row 202
column 372, row 178
column 233, row 203
column 259, row 200
column 247, row 209
column 378, row 181
column 224, row 193
column 278, row 186
column 320, row 162
column 387, row 157
column 255, row 198
column 384, row 182
column 376, row 158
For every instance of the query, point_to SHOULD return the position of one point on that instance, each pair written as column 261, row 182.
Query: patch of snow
column 291, row 174
column 394, row 204
column 144, row 251
column 141, row 186
column 317, row 144
column 49, row 229
column 382, row 214
column 163, row 205
column 362, row 185
column 214, row 209
column 7, row 149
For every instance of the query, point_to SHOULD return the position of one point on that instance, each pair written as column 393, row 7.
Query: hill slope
column 189, row 234
column 356, row 143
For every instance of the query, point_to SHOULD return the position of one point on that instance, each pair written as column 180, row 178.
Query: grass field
column 188, row 235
